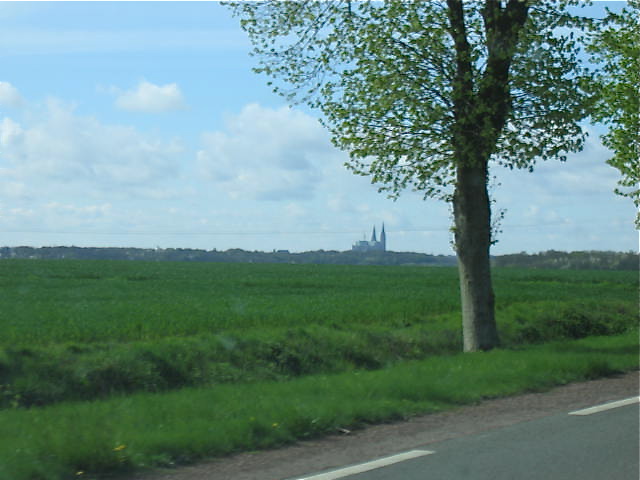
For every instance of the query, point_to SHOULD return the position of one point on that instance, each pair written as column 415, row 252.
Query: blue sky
column 140, row 124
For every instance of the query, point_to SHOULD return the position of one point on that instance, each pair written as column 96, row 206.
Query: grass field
column 93, row 353
column 52, row 302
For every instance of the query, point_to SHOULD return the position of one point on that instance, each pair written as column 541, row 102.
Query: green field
column 107, row 347
column 52, row 302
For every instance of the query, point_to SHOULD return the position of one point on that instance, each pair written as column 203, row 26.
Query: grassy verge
column 85, row 439
column 48, row 374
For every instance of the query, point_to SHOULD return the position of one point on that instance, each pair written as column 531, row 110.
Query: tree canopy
column 385, row 76
column 615, row 47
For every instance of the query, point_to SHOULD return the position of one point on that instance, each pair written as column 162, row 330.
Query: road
column 475, row 430
column 600, row 445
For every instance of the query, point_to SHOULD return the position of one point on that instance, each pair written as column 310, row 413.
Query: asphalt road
column 603, row 445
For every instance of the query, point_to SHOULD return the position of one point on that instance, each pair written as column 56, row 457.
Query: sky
column 141, row 124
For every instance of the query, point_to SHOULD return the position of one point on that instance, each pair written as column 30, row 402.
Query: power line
column 280, row 232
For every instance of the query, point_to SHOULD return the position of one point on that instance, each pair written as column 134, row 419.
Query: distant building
column 372, row 245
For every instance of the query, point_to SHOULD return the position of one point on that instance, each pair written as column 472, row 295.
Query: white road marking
column 365, row 467
column 606, row 406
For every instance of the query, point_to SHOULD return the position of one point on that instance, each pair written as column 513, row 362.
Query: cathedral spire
column 373, row 245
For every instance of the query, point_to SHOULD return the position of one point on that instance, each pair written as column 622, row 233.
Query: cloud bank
column 53, row 145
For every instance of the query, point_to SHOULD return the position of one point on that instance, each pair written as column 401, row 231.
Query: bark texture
column 472, row 216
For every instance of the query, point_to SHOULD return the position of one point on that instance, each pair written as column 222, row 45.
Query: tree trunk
column 472, row 216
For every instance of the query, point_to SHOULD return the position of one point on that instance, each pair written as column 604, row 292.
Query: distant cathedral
column 372, row 245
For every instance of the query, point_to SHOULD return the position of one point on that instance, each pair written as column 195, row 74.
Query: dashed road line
column 606, row 406
column 365, row 467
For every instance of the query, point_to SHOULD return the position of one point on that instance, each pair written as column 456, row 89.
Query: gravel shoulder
column 378, row 441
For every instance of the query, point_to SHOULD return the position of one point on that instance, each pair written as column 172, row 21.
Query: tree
column 430, row 94
column 615, row 46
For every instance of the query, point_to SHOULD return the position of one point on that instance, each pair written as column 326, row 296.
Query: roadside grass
column 43, row 375
column 139, row 431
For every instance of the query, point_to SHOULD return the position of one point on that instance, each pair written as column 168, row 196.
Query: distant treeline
column 230, row 256
column 591, row 260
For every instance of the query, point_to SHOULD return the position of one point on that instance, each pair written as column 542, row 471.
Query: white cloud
column 57, row 147
column 9, row 96
column 150, row 98
column 268, row 154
